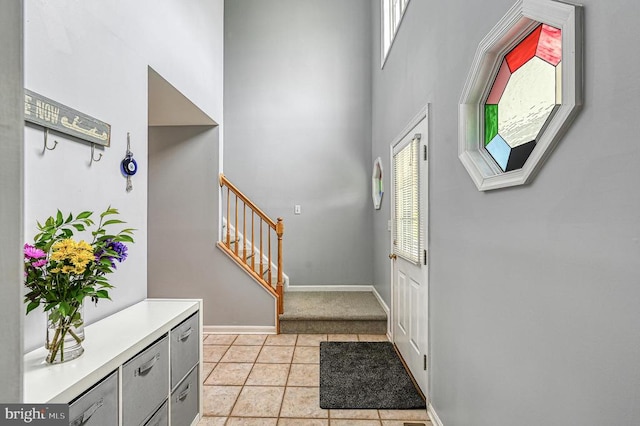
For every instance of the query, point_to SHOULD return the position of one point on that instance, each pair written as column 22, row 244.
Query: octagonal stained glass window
column 522, row 92
column 525, row 93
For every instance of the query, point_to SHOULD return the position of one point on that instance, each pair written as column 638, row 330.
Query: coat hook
column 93, row 147
column 46, row 147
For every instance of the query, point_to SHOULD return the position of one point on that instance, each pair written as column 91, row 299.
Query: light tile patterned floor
column 253, row 379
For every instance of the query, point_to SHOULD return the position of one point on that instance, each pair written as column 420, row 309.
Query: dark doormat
column 365, row 375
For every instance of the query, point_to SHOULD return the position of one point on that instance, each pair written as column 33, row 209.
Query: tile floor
column 274, row 380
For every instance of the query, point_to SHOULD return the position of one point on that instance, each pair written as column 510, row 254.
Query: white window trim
column 386, row 20
column 518, row 22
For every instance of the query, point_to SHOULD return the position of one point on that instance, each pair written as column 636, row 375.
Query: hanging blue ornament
column 128, row 165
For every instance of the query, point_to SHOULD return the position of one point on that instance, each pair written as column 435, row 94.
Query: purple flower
column 30, row 252
column 119, row 248
column 116, row 246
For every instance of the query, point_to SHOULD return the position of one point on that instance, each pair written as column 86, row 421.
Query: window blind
column 406, row 181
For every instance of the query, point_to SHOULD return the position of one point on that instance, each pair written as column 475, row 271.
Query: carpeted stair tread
column 332, row 312
column 345, row 305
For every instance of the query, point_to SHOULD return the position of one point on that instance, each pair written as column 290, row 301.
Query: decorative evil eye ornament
column 128, row 166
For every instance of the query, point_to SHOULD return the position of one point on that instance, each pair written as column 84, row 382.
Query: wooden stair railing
column 246, row 243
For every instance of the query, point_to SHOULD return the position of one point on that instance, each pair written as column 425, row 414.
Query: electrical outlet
column 296, row 209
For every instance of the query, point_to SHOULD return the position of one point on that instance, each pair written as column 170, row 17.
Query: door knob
column 392, row 256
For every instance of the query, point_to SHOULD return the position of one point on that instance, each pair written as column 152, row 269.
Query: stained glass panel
column 519, row 155
column 527, row 102
column 499, row 150
column 524, row 51
column 550, row 45
column 490, row 122
column 499, row 84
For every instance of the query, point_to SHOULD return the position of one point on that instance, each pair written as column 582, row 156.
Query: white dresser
column 141, row 366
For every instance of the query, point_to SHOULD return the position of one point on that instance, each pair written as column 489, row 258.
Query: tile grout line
column 245, row 380
column 284, row 391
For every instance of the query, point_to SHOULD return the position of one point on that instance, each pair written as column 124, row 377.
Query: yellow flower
column 75, row 255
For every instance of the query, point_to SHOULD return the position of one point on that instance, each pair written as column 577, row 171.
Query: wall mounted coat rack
column 53, row 115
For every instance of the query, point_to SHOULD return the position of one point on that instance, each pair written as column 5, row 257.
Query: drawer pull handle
column 184, row 336
column 183, row 395
column 144, row 368
column 84, row 417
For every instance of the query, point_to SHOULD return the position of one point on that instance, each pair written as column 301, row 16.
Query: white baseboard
column 386, row 310
column 239, row 329
column 433, row 415
column 293, row 288
column 384, row 305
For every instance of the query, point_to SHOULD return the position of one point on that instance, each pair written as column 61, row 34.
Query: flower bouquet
column 60, row 272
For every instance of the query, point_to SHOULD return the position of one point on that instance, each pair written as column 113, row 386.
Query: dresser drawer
column 184, row 400
column 145, row 383
column 185, row 348
column 98, row 406
column 161, row 417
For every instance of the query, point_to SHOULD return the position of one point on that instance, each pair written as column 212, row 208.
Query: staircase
column 254, row 242
column 333, row 312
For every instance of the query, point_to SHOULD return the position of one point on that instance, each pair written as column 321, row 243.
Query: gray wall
column 11, row 193
column 110, row 83
column 298, row 130
column 183, row 260
column 534, row 290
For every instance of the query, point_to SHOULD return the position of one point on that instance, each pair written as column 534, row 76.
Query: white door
column 409, row 249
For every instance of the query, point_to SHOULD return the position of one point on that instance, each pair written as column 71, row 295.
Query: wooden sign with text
column 55, row 116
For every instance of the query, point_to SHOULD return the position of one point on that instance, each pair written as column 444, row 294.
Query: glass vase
column 65, row 334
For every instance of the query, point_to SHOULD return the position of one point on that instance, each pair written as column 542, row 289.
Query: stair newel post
column 279, row 287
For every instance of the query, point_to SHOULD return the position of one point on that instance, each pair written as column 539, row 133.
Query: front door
column 409, row 249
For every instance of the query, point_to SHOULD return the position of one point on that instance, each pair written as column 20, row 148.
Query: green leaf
column 64, row 308
column 103, row 294
column 125, row 238
column 84, row 215
column 69, row 219
column 109, row 211
column 59, row 219
column 113, row 221
column 31, row 306
column 79, row 226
